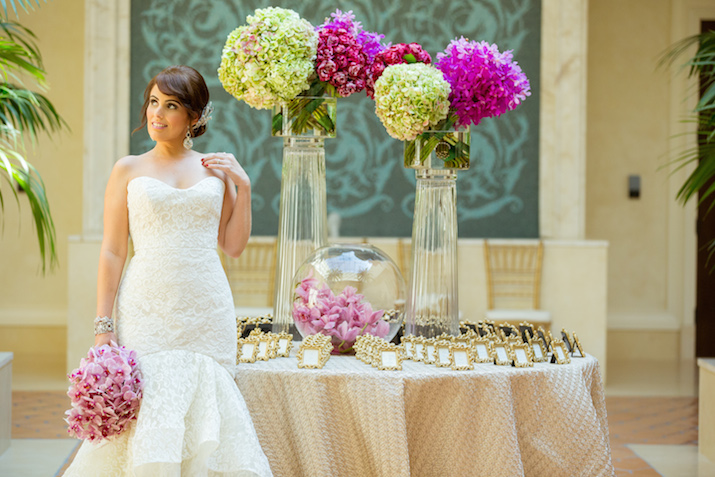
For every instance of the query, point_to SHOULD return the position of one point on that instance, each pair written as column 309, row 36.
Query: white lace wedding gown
column 174, row 307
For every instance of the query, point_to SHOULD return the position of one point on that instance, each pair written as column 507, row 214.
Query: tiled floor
column 654, row 434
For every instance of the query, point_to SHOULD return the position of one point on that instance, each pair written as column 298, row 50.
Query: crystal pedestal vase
column 433, row 300
column 303, row 123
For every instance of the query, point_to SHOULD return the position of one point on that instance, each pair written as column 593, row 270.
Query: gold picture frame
column 408, row 345
column 559, row 352
column 430, row 351
column 526, row 328
column 284, row 344
column 521, row 355
column 419, row 349
column 442, row 357
column 502, row 356
column 247, row 350
column 566, row 339
column 538, row 350
column 314, row 351
column 460, row 357
column 483, row 351
column 577, row 347
column 389, row 358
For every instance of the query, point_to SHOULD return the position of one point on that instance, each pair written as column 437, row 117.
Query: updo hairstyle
column 187, row 85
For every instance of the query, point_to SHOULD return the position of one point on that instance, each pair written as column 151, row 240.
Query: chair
column 513, row 270
column 252, row 276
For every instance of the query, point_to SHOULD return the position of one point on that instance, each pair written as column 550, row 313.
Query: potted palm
column 24, row 114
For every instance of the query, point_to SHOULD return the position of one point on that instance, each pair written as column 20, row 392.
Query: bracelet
column 103, row 324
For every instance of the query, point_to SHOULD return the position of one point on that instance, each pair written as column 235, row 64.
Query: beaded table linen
column 351, row 419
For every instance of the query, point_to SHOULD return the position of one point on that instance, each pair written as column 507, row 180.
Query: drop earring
column 188, row 142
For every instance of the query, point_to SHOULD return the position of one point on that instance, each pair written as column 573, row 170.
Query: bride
column 174, row 303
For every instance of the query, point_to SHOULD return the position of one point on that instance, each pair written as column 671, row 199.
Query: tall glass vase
column 303, row 123
column 433, row 299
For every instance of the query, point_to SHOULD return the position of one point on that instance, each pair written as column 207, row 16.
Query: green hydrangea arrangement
column 410, row 98
column 269, row 60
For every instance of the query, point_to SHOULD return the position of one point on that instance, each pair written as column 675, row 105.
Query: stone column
column 562, row 150
column 106, row 138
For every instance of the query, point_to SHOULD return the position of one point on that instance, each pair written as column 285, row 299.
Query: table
column 350, row 419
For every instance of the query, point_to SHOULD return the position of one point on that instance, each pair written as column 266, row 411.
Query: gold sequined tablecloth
column 350, row 419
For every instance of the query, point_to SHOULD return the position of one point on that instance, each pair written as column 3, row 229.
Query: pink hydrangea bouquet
column 343, row 317
column 106, row 391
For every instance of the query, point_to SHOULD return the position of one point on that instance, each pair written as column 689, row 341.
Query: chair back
column 252, row 275
column 513, row 273
column 404, row 258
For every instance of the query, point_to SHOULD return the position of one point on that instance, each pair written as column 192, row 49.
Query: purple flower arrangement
column 343, row 317
column 485, row 83
column 106, row 392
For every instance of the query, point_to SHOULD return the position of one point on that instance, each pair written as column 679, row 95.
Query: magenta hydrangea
column 105, row 391
column 343, row 317
column 485, row 83
column 342, row 60
column 394, row 55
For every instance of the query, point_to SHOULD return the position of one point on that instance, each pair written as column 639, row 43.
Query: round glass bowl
column 348, row 290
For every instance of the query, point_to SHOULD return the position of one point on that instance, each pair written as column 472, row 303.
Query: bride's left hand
column 226, row 162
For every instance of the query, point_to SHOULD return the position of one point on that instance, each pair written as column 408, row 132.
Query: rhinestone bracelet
column 103, row 324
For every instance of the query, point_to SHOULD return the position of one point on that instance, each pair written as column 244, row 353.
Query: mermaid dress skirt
column 174, row 307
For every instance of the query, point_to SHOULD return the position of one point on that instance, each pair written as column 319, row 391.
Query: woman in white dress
column 174, row 303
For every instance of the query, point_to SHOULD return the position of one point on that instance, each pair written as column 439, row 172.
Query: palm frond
column 23, row 115
column 17, row 171
column 24, row 4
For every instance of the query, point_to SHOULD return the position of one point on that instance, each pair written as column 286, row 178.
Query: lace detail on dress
column 174, row 307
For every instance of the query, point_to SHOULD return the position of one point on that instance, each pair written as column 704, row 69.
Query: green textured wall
column 367, row 185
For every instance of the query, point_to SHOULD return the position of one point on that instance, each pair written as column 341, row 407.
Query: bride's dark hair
column 187, row 85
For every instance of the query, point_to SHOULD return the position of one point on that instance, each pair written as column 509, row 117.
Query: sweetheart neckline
column 169, row 185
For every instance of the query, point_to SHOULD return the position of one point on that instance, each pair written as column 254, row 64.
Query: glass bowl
column 348, row 290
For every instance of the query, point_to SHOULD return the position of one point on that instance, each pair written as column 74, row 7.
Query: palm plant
column 23, row 115
column 700, row 66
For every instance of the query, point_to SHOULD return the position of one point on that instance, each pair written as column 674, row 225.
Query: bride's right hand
column 104, row 339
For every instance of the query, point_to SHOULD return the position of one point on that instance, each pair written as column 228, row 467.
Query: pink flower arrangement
column 106, row 391
column 394, row 55
column 343, row 317
column 345, row 53
column 485, row 83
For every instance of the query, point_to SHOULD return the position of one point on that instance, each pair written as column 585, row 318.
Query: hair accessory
column 103, row 324
column 188, row 142
column 205, row 116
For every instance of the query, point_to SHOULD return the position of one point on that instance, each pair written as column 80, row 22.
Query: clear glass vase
column 302, row 225
column 433, row 299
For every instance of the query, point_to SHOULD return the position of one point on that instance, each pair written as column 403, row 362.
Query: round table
column 351, row 419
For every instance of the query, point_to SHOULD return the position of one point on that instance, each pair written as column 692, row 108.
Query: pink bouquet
column 343, row 317
column 485, row 82
column 345, row 53
column 106, row 391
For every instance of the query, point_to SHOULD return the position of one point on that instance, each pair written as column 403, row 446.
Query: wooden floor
column 631, row 420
